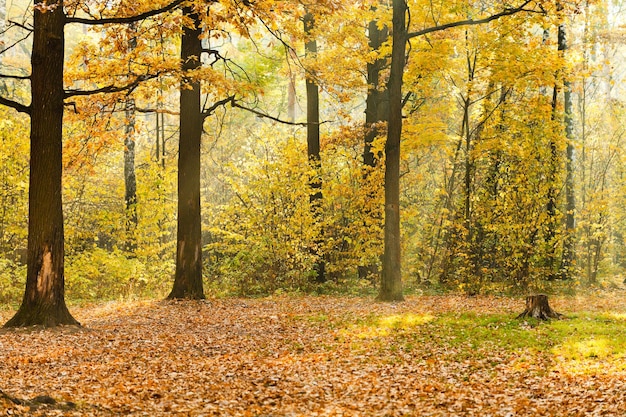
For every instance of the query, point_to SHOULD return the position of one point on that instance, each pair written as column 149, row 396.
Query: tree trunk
column 291, row 88
column 567, row 258
column 537, row 307
column 376, row 104
column 376, row 112
column 44, row 296
column 130, row 179
column 188, row 276
column 391, row 281
column 313, row 146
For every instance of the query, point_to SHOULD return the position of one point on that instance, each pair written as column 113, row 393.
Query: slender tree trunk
column 44, row 296
column 130, row 179
column 3, row 16
column 188, row 277
column 376, row 112
column 291, row 89
column 313, row 145
column 376, row 104
column 552, row 192
column 391, row 282
column 570, row 202
column 467, row 177
column 555, row 159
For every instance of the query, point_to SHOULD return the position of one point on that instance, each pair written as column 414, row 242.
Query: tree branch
column 21, row 25
column 267, row 116
column 111, row 88
column 206, row 113
column 123, row 20
column 471, row 22
column 15, row 77
column 233, row 103
column 14, row 44
column 15, row 105
column 158, row 111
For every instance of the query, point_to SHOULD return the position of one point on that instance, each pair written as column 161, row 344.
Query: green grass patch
column 586, row 342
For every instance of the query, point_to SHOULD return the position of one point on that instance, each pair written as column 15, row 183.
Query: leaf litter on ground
column 321, row 356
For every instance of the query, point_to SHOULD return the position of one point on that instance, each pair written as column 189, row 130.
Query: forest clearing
column 321, row 356
column 259, row 169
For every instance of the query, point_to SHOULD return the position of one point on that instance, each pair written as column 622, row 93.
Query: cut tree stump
column 537, row 307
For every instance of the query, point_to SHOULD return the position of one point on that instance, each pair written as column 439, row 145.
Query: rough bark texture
column 391, row 282
column 313, row 144
column 44, row 297
column 188, row 277
column 537, row 307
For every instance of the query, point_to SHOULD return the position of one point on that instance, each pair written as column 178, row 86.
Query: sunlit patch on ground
column 304, row 356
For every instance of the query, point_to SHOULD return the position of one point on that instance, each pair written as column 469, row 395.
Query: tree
column 44, row 296
column 391, row 282
column 188, row 276
column 197, row 23
column 313, row 142
column 130, row 179
column 570, row 200
column 376, row 114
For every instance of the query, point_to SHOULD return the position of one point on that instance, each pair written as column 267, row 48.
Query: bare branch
column 14, row 44
column 158, row 111
column 206, row 113
column 471, row 22
column 15, row 77
column 15, row 105
column 112, row 88
column 267, row 116
column 21, row 25
column 127, row 19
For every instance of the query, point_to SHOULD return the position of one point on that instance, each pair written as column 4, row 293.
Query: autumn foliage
column 436, row 355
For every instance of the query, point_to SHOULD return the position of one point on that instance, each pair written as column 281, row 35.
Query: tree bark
column 376, row 104
column 130, row 179
column 537, row 306
column 567, row 257
column 376, row 113
column 313, row 146
column 44, row 297
column 391, row 281
column 569, row 249
column 188, row 276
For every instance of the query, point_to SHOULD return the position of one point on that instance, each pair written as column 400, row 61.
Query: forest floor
column 322, row 356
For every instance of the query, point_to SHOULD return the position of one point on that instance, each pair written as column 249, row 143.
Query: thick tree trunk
column 313, row 146
column 537, row 307
column 391, row 282
column 188, row 277
column 44, row 297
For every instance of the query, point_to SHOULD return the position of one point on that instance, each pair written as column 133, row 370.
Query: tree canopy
column 254, row 147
